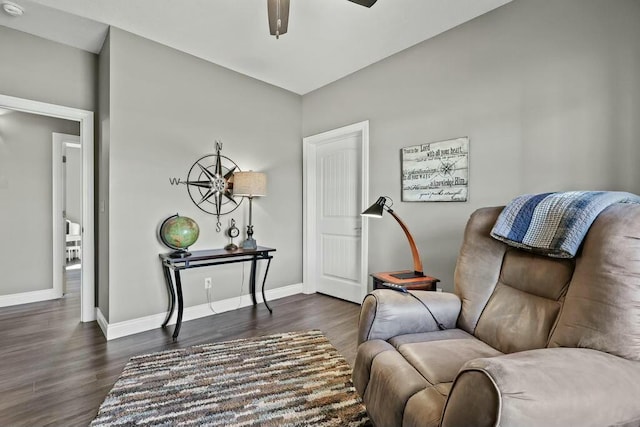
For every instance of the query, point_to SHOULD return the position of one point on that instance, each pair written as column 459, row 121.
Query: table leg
column 252, row 279
column 176, row 331
column 172, row 294
column 264, row 298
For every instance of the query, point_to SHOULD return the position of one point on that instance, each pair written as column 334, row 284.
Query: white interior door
column 57, row 214
column 336, row 183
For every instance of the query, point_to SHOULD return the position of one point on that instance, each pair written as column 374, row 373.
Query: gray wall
column 166, row 109
column 46, row 71
column 548, row 92
column 25, row 200
column 42, row 70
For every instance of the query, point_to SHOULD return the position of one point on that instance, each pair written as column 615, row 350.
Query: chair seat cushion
column 439, row 361
column 409, row 378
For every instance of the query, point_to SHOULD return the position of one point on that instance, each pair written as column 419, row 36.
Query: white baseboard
column 28, row 297
column 102, row 321
column 129, row 327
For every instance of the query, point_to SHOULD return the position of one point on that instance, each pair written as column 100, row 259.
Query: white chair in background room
column 73, row 240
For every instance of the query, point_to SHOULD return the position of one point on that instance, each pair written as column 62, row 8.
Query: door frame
column 309, row 218
column 85, row 118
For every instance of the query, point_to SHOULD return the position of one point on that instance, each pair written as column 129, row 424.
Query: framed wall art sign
column 436, row 172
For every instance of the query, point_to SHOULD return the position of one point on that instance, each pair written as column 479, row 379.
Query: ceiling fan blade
column 278, row 11
column 367, row 3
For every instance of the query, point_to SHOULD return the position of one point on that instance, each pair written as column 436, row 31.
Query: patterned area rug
column 290, row 379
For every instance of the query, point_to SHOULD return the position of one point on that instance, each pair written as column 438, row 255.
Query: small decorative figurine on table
column 232, row 232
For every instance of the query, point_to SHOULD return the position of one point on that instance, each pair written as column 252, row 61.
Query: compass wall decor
column 209, row 184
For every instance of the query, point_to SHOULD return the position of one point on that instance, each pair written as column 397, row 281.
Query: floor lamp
column 249, row 184
column 376, row 211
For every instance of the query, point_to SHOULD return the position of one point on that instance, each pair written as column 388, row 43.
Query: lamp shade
column 249, row 184
column 376, row 209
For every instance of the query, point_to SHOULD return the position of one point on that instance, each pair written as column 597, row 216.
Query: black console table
column 208, row 258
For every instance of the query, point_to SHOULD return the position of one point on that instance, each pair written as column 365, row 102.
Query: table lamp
column 375, row 211
column 249, row 184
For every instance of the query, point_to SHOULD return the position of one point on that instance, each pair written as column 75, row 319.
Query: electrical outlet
column 207, row 283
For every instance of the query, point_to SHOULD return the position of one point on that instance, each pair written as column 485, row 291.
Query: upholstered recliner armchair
column 528, row 340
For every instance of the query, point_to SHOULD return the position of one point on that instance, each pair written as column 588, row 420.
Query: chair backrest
column 602, row 306
column 515, row 300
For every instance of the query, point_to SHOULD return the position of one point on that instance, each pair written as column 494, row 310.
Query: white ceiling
column 327, row 39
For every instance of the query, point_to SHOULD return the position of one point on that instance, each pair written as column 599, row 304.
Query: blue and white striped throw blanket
column 554, row 224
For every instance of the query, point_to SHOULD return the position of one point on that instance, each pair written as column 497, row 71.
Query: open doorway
column 67, row 187
column 32, row 200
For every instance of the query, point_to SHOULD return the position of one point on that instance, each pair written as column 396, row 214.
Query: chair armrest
column 386, row 313
column 546, row 387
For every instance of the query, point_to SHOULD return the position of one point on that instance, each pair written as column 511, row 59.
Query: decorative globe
column 179, row 232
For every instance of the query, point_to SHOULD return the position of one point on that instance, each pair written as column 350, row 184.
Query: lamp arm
column 417, row 262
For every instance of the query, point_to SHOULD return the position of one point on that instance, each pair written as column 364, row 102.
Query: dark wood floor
column 55, row 371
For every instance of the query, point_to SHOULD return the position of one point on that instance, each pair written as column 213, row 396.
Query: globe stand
column 181, row 253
